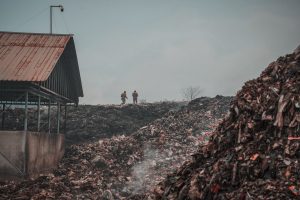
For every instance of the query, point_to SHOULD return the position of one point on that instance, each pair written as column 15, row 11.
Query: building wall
column 12, row 152
column 65, row 77
column 20, row 157
column 43, row 151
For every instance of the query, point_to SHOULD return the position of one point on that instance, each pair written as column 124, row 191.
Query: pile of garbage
column 91, row 122
column 255, row 151
column 87, row 122
column 126, row 166
column 170, row 141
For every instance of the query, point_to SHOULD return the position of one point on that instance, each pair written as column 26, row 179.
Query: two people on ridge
column 134, row 97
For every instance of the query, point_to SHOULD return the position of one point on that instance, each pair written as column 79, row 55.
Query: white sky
column 159, row 47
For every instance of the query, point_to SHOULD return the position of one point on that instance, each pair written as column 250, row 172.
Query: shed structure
column 35, row 70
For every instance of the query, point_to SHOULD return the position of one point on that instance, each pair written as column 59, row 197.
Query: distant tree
column 191, row 92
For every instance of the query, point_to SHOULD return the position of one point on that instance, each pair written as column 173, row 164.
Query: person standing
column 123, row 97
column 134, row 97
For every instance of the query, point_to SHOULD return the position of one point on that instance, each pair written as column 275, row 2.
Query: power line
column 30, row 18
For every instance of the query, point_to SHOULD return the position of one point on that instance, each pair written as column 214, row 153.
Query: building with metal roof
column 36, row 69
column 43, row 63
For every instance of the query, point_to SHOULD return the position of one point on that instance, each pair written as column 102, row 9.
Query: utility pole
column 54, row 6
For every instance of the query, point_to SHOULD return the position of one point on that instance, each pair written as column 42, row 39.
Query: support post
column 54, row 6
column 50, row 19
column 65, row 121
column 3, row 115
column 58, row 116
column 49, row 116
column 26, row 111
column 39, row 114
column 24, row 143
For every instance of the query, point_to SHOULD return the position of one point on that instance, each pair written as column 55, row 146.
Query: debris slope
column 86, row 123
column 126, row 166
column 255, row 151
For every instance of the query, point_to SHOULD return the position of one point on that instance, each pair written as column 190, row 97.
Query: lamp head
column 61, row 8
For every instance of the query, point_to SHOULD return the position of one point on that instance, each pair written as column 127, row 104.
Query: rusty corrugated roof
column 29, row 57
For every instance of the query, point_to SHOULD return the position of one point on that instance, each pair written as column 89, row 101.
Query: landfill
column 91, row 122
column 255, row 151
column 126, row 166
column 244, row 148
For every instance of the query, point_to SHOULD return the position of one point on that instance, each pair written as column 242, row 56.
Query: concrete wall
column 44, row 151
column 29, row 154
column 12, row 152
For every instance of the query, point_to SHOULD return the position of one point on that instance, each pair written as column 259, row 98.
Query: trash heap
column 88, row 122
column 126, row 167
column 91, row 122
column 255, row 151
column 87, row 171
column 169, row 142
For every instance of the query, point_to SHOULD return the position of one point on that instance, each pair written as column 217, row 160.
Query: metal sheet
column 29, row 57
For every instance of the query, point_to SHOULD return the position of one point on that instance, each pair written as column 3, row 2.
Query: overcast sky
column 159, row 47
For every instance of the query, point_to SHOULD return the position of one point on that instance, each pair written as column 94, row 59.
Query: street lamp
column 61, row 9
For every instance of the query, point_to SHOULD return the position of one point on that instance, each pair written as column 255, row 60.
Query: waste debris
column 126, row 166
column 170, row 141
column 255, row 151
column 88, row 123
column 91, row 122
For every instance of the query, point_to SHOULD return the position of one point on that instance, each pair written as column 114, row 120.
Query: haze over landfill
column 160, row 47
